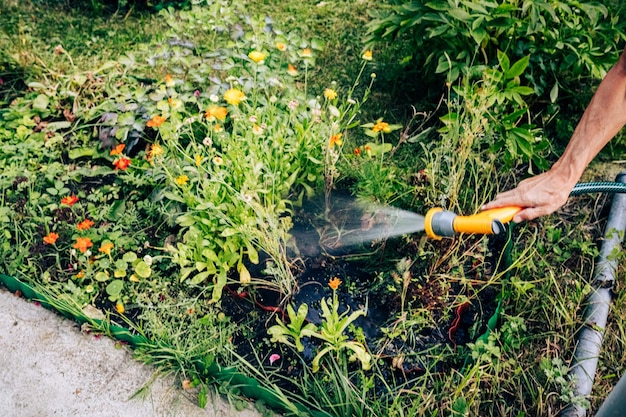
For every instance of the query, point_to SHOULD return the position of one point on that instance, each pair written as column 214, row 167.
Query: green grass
column 553, row 258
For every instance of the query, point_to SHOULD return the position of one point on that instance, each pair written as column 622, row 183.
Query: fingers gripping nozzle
column 441, row 223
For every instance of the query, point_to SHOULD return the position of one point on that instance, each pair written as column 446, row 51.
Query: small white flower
column 148, row 260
column 214, row 98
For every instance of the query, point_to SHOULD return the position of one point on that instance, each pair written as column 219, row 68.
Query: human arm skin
column 603, row 118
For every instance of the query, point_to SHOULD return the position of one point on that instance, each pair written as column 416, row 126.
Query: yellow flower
column 198, row 159
column 106, row 247
column 306, row 53
column 217, row 128
column 120, row 308
column 234, row 96
column 256, row 56
column 334, row 283
column 381, row 126
column 281, row 46
column 367, row 55
column 181, row 179
column 216, row 112
column 155, row 150
column 335, row 140
column 330, row 94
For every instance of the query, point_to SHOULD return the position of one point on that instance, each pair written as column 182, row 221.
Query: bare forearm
column 603, row 118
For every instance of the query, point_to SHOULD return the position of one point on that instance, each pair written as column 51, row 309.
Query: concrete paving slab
column 49, row 368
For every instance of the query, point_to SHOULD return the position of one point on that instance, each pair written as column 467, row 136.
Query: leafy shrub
column 566, row 40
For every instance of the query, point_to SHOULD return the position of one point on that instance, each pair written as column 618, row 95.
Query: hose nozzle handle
column 440, row 223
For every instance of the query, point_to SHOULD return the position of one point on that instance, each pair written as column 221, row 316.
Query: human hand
column 539, row 195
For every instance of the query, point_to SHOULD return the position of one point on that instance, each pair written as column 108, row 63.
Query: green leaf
column 143, row 269
column 81, row 153
column 41, row 103
column 517, row 68
column 554, row 93
column 115, row 287
column 504, row 61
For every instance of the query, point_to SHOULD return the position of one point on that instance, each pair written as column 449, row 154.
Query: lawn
column 234, row 189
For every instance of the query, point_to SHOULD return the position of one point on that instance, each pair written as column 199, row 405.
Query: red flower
column 85, row 225
column 122, row 163
column 69, row 200
column 50, row 238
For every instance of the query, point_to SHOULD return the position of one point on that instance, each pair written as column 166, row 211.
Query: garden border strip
column 250, row 387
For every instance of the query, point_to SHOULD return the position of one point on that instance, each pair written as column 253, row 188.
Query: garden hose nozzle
column 441, row 223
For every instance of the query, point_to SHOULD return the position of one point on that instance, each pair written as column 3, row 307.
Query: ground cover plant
column 198, row 181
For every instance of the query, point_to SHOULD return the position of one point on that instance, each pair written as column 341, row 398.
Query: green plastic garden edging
column 248, row 386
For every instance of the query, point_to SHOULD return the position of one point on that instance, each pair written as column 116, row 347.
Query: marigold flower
column 122, row 163
column 334, row 283
column 367, row 55
column 291, row 70
column 306, row 53
column 281, row 46
column 234, row 96
column 181, row 179
column 381, row 127
column 83, row 244
column 216, row 112
column 106, row 247
column 80, row 275
column 69, row 200
column 85, row 225
column 330, row 94
column 154, row 150
column 50, row 238
column 120, row 308
column 118, row 149
column 169, row 81
column 156, row 121
column 256, row 56
column 335, row 140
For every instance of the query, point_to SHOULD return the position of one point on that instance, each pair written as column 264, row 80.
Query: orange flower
column 216, row 112
column 106, row 248
column 82, row 244
column 334, row 283
column 120, row 308
column 122, row 163
column 156, row 121
column 357, row 151
column 335, row 140
column 85, row 225
column 69, row 200
column 118, row 149
column 50, row 238
column 291, row 70
column 306, row 53
column 169, row 81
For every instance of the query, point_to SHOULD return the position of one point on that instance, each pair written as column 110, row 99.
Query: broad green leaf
column 41, row 103
column 517, row 68
column 115, row 287
column 143, row 269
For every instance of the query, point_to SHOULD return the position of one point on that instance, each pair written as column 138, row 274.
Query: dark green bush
column 566, row 40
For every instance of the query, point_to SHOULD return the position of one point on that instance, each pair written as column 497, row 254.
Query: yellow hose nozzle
column 441, row 223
